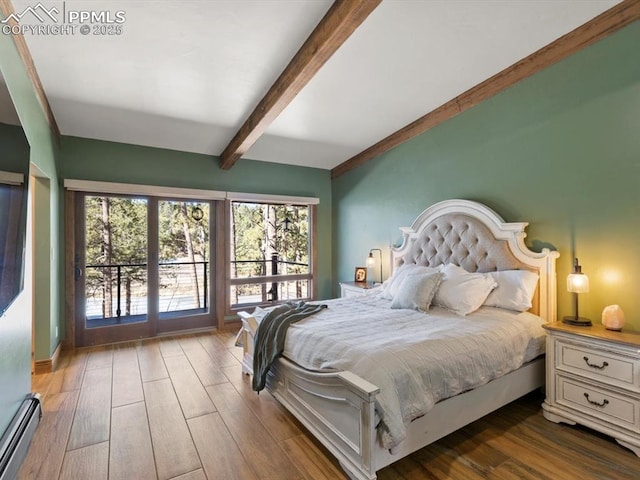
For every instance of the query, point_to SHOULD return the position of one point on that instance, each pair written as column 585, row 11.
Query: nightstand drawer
column 603, row 404
column 607, row 366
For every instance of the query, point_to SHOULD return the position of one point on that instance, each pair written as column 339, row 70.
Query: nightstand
column 593, row 378
column 355, row 289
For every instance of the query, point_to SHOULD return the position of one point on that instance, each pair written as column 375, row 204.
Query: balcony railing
column 118, row 290
column 114, row 291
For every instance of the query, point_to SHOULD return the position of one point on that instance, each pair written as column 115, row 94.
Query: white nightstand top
column 598, row 332
column 362, row 285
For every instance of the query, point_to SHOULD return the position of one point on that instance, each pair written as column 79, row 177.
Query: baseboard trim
column 50, row 364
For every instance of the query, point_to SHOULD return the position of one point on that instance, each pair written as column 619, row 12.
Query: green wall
column 560, row 150
column 15, row 149
column 16, row 324
column 84, row 159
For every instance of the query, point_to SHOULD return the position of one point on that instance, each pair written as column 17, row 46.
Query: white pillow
column 392, row 284
column 514, row 291
column 463, row 292
column 416, row 291
column 450, row 270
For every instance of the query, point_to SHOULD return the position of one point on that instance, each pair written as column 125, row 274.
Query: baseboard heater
column 14, row 444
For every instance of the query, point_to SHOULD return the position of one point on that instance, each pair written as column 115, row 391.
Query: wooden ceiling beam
column 340, row 21
column 6, row 7
column 596, row 29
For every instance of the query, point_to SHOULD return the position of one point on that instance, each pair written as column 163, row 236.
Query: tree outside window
column 267, row 241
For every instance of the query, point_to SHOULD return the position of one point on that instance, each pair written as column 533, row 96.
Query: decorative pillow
column 416, row 291
column 514, row 291
column 392, row 284
column 463, row 292
column 450, row 270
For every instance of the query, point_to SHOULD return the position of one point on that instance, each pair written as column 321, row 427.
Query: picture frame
column 360, row 275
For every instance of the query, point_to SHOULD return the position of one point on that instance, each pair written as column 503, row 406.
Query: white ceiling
column 184, row 75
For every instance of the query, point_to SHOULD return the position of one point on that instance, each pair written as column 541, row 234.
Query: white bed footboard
column 337, row 408
column 245, row 340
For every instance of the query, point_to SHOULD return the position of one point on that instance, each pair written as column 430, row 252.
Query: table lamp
column 372, row 261
column 577, row 282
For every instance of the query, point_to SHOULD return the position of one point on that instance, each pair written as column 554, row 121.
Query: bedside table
column 593, row 378
column 355, row 289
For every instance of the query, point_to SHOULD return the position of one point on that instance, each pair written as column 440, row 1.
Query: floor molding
column 50, row 364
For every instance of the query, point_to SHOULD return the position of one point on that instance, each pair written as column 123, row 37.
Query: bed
column 350, row 414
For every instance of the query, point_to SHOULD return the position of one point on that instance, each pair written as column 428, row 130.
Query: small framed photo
column 361, row 274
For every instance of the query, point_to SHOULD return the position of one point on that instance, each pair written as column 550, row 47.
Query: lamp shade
column 371, row 262
column 577, row 283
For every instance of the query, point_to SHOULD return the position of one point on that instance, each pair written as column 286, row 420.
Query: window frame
column 311, row 276
column 219, row 231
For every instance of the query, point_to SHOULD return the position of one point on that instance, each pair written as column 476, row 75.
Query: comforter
column 416, row 359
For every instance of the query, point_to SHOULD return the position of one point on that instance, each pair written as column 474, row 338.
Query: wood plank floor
column 181, row 409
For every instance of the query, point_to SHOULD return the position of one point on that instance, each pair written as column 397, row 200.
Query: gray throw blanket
column 269, row 339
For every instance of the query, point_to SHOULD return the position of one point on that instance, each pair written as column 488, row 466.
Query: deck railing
column 182, row 285
column 116, row 290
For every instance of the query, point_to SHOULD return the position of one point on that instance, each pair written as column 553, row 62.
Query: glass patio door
column 142, row 267
column 111, row 269
column 183, row 265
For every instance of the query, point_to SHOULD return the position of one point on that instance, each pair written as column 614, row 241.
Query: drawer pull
column 604, row 403
column 593, row 365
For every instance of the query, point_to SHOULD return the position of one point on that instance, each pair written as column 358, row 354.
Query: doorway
column 142, row 267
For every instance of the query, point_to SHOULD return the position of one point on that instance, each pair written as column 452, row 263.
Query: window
column 206, row 254
column 270, row 253
column 116, row 248
column 115, row 253
column 13, row 218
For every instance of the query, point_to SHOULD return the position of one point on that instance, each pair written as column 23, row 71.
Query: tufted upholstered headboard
column 476, row 238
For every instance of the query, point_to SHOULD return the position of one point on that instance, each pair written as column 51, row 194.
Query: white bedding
column 416, row 359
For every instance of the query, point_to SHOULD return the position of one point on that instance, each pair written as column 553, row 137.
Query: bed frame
column 338, row 408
